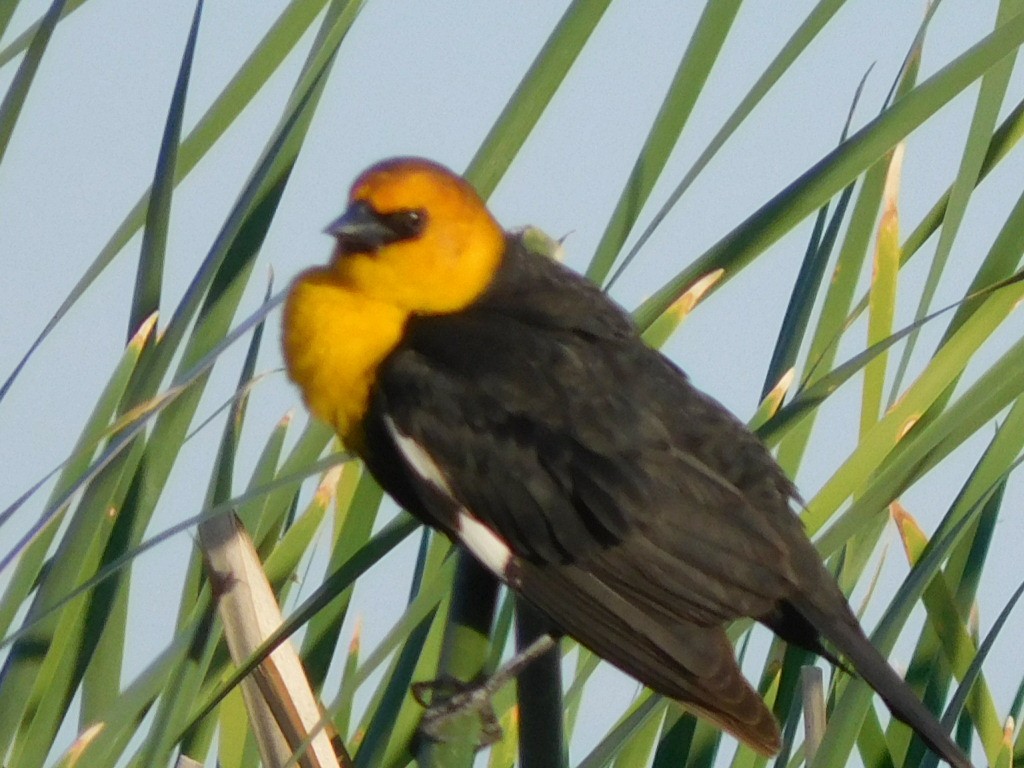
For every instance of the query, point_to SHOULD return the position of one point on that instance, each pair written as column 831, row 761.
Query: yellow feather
column 334, row 341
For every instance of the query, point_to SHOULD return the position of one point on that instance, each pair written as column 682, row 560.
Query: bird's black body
column 640, row 516
column 508, row 402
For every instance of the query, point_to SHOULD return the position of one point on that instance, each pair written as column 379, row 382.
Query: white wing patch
column 421, row 461
column 485, row 545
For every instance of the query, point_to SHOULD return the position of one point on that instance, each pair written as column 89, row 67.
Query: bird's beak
column 360, row 229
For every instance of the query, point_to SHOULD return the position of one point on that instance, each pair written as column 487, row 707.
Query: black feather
column 642, row 516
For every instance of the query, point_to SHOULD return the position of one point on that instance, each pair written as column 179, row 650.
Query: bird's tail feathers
column 847, row 636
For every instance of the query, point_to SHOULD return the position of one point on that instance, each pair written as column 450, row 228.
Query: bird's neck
column 334, row 341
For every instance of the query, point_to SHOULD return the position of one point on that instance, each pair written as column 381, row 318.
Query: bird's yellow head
column 416, row 236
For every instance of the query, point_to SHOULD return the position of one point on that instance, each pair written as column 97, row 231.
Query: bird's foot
column 448, row 701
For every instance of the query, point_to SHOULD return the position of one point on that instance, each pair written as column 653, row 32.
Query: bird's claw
column 447, row 700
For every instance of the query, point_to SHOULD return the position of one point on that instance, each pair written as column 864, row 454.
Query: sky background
column 429, row 78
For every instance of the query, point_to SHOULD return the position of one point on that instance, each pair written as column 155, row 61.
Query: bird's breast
column 334, row 341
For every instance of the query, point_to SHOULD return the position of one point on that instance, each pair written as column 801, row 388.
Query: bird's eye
column 406, row 224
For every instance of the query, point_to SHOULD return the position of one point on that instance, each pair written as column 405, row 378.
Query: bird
column 508, row 402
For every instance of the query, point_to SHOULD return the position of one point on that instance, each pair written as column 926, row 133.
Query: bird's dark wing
column 633, row 510
column 574, row 443
column 551, row 451
column 689, row 662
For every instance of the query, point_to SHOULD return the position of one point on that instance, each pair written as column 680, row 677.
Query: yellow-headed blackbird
column 507, row 401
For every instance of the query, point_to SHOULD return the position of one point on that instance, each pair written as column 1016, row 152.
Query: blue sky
column 429, row 78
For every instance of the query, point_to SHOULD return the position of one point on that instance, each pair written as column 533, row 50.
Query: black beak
column 360, row 229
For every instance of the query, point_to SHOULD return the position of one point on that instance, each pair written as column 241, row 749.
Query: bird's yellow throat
column 334, row 340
